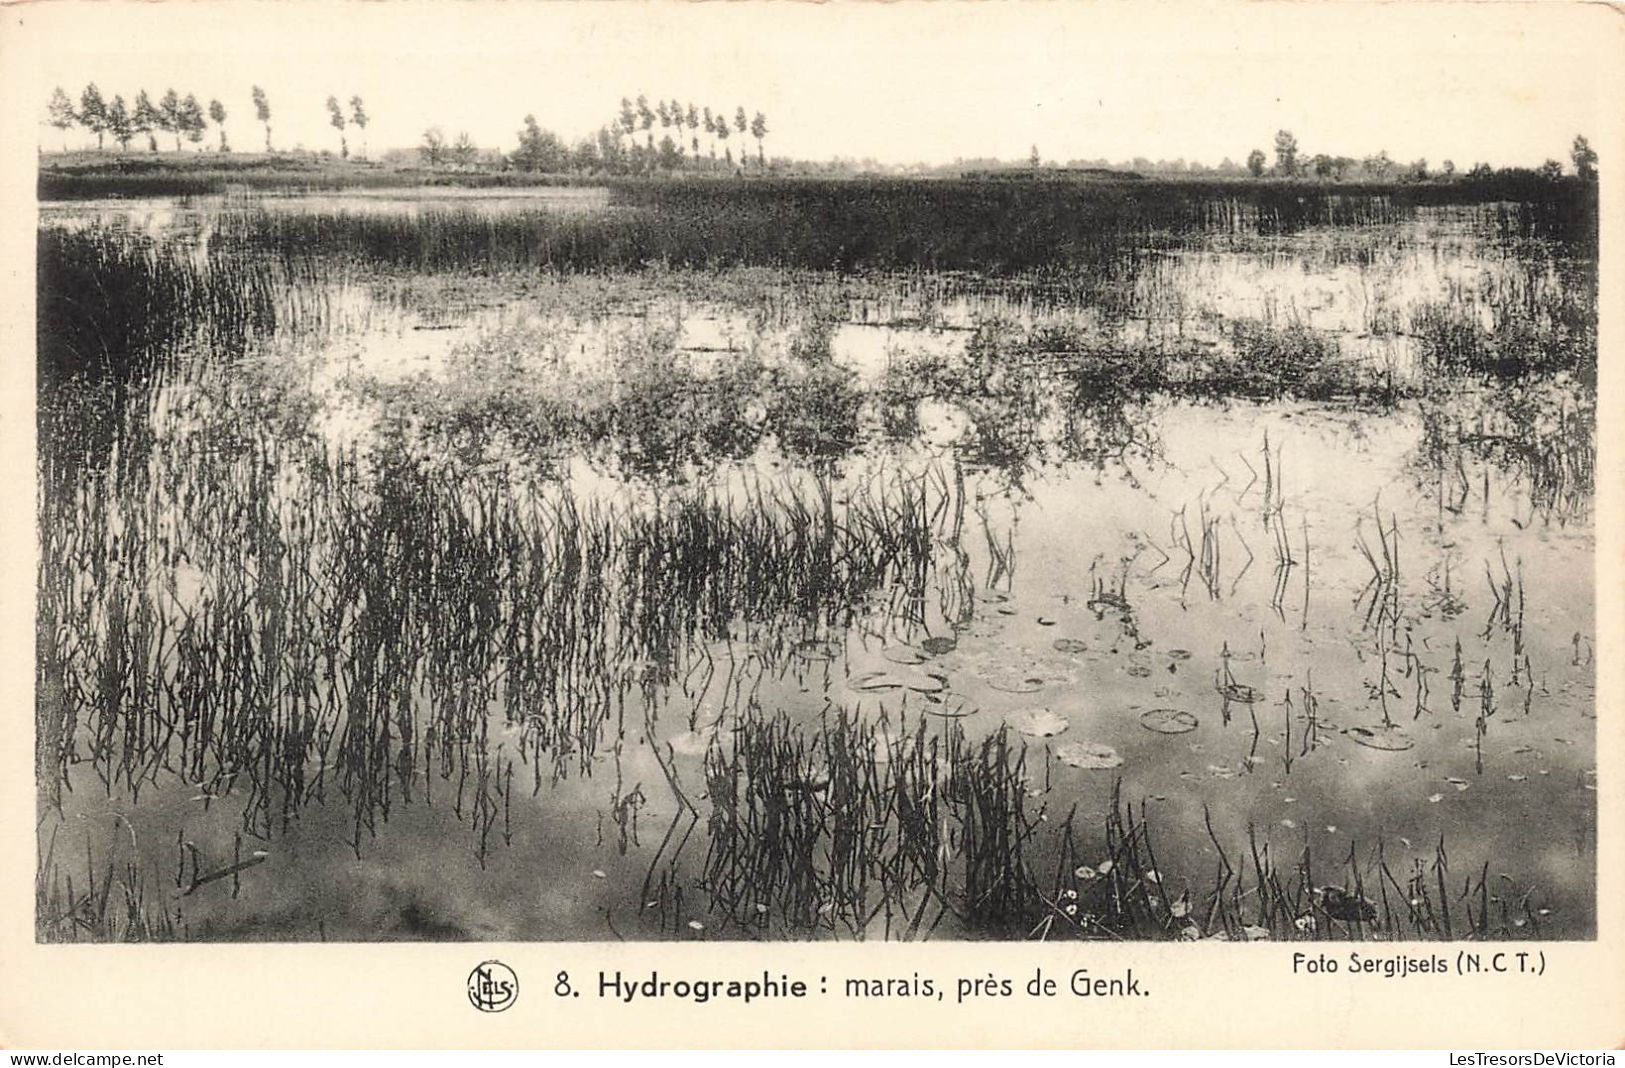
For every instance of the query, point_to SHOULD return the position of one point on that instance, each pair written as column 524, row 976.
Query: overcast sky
column 900, row 82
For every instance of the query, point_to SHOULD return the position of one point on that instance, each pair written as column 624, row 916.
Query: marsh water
column 766, row 602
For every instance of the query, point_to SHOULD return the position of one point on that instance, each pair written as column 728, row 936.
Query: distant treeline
column 625, row 145
column 177, row 116
column 1290, row 162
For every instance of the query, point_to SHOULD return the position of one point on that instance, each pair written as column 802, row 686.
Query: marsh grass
column 867, row 828
column 1539, row 434
column 1544, row 324
column 120, row 308
column 993, row 228
column 283, row 619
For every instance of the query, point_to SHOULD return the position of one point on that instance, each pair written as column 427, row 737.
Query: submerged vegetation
column 801, row 520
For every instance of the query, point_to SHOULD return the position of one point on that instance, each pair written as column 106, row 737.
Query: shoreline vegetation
column 82, row 175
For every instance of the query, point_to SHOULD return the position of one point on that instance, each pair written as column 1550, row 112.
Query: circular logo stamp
column 492, row 986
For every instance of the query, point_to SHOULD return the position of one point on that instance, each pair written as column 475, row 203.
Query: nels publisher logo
column 492, row 986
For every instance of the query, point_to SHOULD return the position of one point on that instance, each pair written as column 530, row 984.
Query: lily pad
column 1070, row 646
column 925, row 682
column 1239, row 692
column 1037, row 722
column 1381, row 738
column 1179, row 654
column 936, row 646
column 1090, row 756
column 884, row 681
column 1168, row 721
column 1014, row 681
column 875, row 682
column 903, row 654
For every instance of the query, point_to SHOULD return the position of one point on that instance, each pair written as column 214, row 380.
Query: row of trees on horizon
column 181, row 117
column 616, row 147
column 626, row 144
column 1292, row 162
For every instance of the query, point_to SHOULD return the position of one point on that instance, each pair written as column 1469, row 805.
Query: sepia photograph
column 1004, row 474
column 654, row 485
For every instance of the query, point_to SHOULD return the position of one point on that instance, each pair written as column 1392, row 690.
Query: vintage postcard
column 755, row 524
